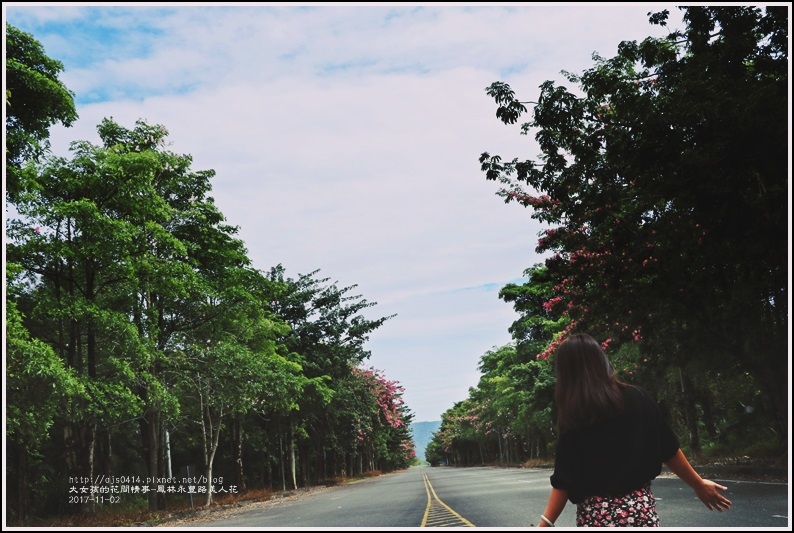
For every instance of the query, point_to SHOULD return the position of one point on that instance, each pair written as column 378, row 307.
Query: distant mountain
column 423, row 433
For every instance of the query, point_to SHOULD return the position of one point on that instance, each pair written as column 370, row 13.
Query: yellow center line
column 439, row 513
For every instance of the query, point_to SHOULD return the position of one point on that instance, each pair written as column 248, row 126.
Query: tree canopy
column 136, row 303
column 663, row 179
column 36, row 99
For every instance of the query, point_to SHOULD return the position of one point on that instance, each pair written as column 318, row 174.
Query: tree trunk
column 707, row 404
column 293, row 466
column 210, row 430
column 690, row 412
column 79, row 448
column 774, row 383
column 19, row 464
column 237, row 435
column 282, row 462
column 150, row 431
column 104, row 453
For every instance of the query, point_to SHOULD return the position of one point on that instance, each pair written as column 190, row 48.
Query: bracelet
column 549, row 522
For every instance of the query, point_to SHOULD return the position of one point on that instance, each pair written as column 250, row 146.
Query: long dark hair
column 587, row 390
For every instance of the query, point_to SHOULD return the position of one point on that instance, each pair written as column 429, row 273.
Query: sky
column 345, row 138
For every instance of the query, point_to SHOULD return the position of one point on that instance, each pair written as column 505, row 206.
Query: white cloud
column 346, row 138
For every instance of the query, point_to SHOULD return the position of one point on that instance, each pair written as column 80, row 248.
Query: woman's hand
column 709, row 494
column 707, row 491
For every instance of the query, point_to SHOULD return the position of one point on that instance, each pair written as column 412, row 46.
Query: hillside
column 423, row 433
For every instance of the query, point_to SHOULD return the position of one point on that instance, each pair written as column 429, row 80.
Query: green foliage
column 148, row 297
column 633, row 174
column 327, row 327
column 326, row 336
column 35, row 100
column 541, row 316
column 133, row 313
column 36, row 383
column 665, row 153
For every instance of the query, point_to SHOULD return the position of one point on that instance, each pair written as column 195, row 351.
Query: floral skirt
column 635, row 509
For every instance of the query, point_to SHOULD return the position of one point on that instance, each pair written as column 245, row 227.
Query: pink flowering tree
column 383, row 429
column 663, row 182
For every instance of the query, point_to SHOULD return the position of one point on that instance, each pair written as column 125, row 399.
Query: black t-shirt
column 617, row 456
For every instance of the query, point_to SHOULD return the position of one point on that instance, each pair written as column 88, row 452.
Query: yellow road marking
column 438, row 513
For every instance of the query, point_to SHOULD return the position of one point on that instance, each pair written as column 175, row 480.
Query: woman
column 612, row 443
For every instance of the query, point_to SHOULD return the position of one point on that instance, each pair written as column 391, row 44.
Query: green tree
column 518, row 392
column 75, row 253
column 36, row 99
column 541, row 316
column 36, row 384
column 228, row 380
column 455, row 441
column 128, row 252
column 665, row 185
column 327, row 336
column 231, row 362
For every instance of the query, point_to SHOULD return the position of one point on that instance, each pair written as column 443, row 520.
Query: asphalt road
column 487, row 497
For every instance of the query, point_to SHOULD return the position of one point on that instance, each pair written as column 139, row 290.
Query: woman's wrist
column 548, row 522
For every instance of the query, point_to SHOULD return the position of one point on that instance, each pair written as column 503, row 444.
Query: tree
column 676, row 147
column 454, row 442
column 327, row 337
column 382, row 423
column 229, row 379
column 517, row 393
column 541, row 317
column 75, row 252
column 35, row 100
column 128, row 252
column 36, row 384
column 230, row 365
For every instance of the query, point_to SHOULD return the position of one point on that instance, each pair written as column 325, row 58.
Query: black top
column 617, row 456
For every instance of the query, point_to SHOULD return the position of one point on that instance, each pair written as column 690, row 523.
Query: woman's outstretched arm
column 706, row 490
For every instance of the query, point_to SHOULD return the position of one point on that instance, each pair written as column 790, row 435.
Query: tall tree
column 382, row 425
column 37, row 383
column 665, row 184
column 36, row 99
column 131, row 251
column 75, row 255
column 328, row 336
column 232, row 365
column 516, row 394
